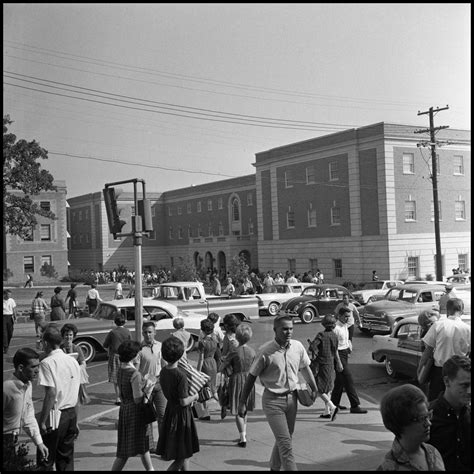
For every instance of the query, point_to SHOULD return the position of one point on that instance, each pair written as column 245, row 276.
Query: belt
column 65, row 409
column 282, row 394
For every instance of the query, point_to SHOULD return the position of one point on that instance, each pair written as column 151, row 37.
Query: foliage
column 22, row 172
column 185, row 271
column 49, row 271
column 430, row 277
column 238, row 269
column 18, row 461
column 7, row 273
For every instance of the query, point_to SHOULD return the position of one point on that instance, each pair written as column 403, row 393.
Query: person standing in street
column 60, row 376
column 451, row 424
column 449, row 293
column 277, row 364
column 9, row 318
column 181, row 333
column 39, row 308
column 354, row 316
column 58, row 307
column 344, row 380
column 118, row 294
column 18, row 409
column 374, row 275
column 92, row 299
column 72, row 297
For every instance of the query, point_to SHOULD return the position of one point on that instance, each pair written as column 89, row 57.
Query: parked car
column 400, row 351
column 93, row 330
column 370, row 291
column 400, row 302
column 147, row 291
column 459, row 280
column 272, row 297
column 316, row 301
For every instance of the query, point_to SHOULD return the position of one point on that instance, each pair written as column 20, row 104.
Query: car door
column 409, row 346
column 426, row 300
column 328, row 301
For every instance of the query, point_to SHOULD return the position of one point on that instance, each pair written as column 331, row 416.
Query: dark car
column 316, row 301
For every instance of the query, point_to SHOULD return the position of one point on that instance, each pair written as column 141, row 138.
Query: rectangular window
column 170, row 233
column 439, row 211
column 408, row 163
column 87, row 238
column 46, row 259
column 413, row 266
column 313, row 264
column 180, row 232
column 209, row 229
column 45, row 205
column 45, row 232
column 337, row 267
column 86, row 214
column 190, row 231
column 335, row 215
column 410, row 211
column 180, row 210
column 310, row 175
column 249, row 199
column 199, row 206
column 80, row 215
column 170, row 212
column 221, row 229
column 189, row 208
column 458, row 162
column 153, row 211
column 152, row 235
column 291, row 265
column 333, row 171
column 311, row 216
column 28, row 264
column 199, row 231
column 219, row 203
column 250, row 227
column 209, row 205
column 462, row 262
column 290, row 218
column 288, row 179
column 460, row 210
column 29, row 237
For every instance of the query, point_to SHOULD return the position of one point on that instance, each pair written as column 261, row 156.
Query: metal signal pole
column 434, row 180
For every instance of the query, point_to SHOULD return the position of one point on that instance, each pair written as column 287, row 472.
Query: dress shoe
column 205, row 418
column 342, row 407
column 325, row 416
column 334, row 413
column 223, row 412
column 242, row 444
column 358, row 409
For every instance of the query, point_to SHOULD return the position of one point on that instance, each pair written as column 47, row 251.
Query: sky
column 184, row 94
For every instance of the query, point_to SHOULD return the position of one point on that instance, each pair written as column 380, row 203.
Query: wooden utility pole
column 434, row 180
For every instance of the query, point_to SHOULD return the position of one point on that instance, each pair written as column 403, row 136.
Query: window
column 288, row 179
column 209, row 229
column 45, row 232
column 290, row 218
column 221, row 228
column 333, row 171
column 462, row 262
column 86, row 214
column 180, row 210
column 335, row 215
column 250, row 227
column 235, row 210
column 412, row 264
column 190, row 231
column 310, row 175
column 291, row 265
column 219, row 203
column 311, row 216
column 249, row 199
column 170, row 212
column 408, row 163
column 209, row 204
column 199, row 233
column 153, row 211
column 46, row 259
column 152, row 235
column 458, row 162
column 313, row 264
column 45, row 206
column 80, row 215
column 170, row 233
column 180, row 232
column 337, row 267
column 87, row 238
column 410, row 211
column 28, row 264
column 460, row 210
column 439, row 211
column 29, row 237
column 189, row 208
column 199, row 206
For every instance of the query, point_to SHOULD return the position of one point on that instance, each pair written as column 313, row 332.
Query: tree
column 48, row 270
column 238, row 269
column 22, row 172
column 185, row 271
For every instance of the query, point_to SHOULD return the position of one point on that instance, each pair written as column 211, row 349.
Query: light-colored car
column 459, row 280
column 400, row 350
column 400, row 302
column 271, row 299
column 93, row 330
column 370, row 291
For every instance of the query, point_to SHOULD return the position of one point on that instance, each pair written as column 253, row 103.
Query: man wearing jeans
column 277, row 365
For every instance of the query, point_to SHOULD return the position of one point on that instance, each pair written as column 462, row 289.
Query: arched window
column 235, row 210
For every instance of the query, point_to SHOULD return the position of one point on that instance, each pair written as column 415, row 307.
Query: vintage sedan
column 370, row 291
column 316, row 301
column 400, row 302
column 400, row 351
column 93, row 330
column 272, row 297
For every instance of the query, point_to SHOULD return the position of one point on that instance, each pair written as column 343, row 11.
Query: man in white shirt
column 353, row 314
column 18, row 409
column 450, row 293
column 60, row 376
column 9, row 318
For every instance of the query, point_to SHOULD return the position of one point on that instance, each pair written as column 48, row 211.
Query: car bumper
column 379, row 326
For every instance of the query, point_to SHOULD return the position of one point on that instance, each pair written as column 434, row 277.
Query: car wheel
column 88, row 349
column 273, row 308
column 389, row 368
column 191, row 343
column 308, row 315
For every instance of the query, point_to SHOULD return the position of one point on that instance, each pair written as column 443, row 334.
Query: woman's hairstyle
column 119, row 318
column 424, row 318
column 128, row 350
column 23, row 355
column 39, row 294
column 68, row 327
column 213, row 317
column 399, row 406
column 329, row 321
column 178, row 323
column 207, row 326
column 243, row 333
column 172, row 349
column 58, row 289
column 231, row 321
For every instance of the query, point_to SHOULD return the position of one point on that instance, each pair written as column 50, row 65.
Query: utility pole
column 434, row 180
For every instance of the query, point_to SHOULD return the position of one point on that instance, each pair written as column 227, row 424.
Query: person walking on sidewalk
column 58, row 308
column 39, row 308
column 92, row 299
column 9, row 319
column 344, row 380
column 354, row 316
column 72, row 297
column 277, row 364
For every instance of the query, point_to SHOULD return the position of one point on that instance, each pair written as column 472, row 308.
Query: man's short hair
column 243, row 333
column 52, row 336
column 147, row 324
column 119, row 319
column 281, row 317
column 23, row 355
column 178, row 323
column 343, row 310
column 454, row 305
column 454, row 364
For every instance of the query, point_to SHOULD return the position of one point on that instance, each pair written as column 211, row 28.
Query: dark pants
column 60, row 443
column 351, row 331
column 436, row 383
column 7, row 330
column 10, row 457
column 345, row 381
column 92, row 304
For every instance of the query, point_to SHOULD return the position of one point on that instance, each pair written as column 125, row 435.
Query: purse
column 196, row 379
column 223, row 392
column 149, row 411
column 204, row 394
column 303, row 392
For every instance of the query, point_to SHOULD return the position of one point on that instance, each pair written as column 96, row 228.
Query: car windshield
column 311, row 291
column 371, row 285
column 397, row 294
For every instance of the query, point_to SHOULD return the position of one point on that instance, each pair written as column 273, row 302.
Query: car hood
column 388, row 305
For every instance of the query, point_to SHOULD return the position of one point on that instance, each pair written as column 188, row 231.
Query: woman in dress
column 133, row 432
column 39, row 308
column 181, row 440
column 240, row 361
column 58, row 307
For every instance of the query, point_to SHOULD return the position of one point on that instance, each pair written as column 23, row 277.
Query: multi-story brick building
column 47, row 242
column 346, row 203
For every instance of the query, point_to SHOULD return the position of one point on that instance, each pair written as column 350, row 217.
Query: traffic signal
column 144, row 210
column 113, row 217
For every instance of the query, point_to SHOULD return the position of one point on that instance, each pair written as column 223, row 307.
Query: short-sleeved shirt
column 8, row 306
column 148, row 361
column 342, row 334
column 353, row 308
column 278, row 366
column 174, row 384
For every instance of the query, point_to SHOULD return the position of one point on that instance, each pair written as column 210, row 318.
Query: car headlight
column 381, row 314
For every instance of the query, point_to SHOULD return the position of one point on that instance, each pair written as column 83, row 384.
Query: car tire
column 389, row 369
column 88, row 349
column 308, row 315
column 273, row 308
column 192, row 343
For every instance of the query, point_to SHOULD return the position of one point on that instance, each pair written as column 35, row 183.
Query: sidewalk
column 351, row 442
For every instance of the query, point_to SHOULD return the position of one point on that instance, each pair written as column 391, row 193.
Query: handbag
column 223, row 392
column 424, row 371
column 196, row 379
column 204, row 394
column 149, row 411
column 303, row 392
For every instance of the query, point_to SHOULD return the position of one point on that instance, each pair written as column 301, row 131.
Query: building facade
column 47, row 242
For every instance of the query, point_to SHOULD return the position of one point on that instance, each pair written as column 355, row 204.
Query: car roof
column 328, row 285
column 416, row 286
